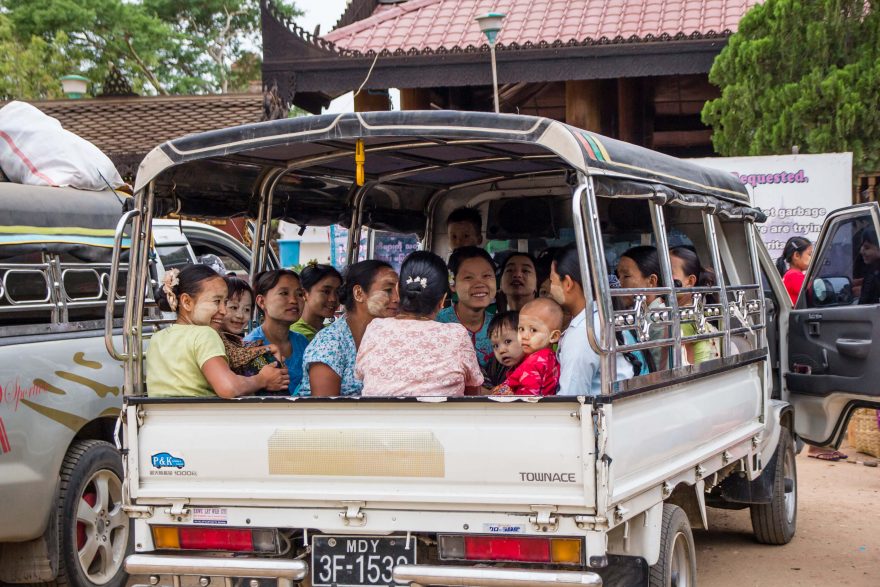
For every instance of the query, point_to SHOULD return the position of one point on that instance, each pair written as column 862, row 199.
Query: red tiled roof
column 433, row 24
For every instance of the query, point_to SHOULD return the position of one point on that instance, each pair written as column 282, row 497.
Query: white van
column 587, row 489
column 60, row 391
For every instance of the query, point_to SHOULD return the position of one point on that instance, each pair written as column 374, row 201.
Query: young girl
column 793, row 263
column 518, row 280
column 320, row 284
column 243, row 359
column 369, row 291
column 278, row 296
column 188, row 358
column 473, row 274
column 687, row 270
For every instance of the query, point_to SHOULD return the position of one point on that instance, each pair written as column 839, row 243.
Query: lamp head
column 490, row 24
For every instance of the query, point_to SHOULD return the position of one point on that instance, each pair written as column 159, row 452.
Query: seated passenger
column 464, row 228
column 412, row 354
column 505, row 346
column 244, row 359
column 687, row 270
column 579, row 364
column 639, row 267
column 473, row 275
column 188, row 359
column 369, row 291
column 518, row 281
column 278, row 296
column 540, row 325
column 320, row 284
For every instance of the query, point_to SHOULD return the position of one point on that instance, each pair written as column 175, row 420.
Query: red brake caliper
column 90, row 497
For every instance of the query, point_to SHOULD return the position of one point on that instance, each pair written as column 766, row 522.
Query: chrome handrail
column 114, row 282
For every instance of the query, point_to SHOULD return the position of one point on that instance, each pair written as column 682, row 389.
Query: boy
column 464, row 227
column 540, row 326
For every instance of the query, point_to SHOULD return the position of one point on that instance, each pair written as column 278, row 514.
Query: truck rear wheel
column 776, row 522
column 94, row 534
column 677, row 566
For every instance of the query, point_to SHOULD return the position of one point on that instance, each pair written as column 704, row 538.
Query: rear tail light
column 567, row 551
column 221, row 539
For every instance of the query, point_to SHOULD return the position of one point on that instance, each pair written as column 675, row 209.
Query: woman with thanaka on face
column 243, row 359
column 687, row 270
column 278, row 295
column 473, row 275
column 540, row 325
column 369, row 291
column 579, row 372
column 464, row 228
column 188, row 359
column 412, row 354
column 518, row 280
column 639, row 268
column 320, row 284
column 792, row 264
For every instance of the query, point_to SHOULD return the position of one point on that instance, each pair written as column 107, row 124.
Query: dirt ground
column 837, row 540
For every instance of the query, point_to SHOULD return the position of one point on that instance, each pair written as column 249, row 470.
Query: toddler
column 540, row 326
column 505, row 346
column 244, row 359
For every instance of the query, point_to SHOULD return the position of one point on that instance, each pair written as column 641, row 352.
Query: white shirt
column 579, row 364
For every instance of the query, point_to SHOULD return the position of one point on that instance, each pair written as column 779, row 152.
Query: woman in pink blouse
column 411, row 355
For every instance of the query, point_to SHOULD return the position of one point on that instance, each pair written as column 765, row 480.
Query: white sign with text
column 795, row 191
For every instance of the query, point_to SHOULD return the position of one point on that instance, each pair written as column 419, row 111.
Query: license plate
column 355, row 561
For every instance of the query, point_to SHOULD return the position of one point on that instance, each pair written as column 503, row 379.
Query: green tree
column 801, row 72
column 29, row 69
column 162, row 46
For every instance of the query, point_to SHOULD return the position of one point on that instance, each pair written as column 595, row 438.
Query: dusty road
column 837, row 540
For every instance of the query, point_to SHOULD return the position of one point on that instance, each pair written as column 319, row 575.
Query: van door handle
column 853, row 347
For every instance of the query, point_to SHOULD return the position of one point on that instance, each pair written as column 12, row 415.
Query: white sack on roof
column 36, row 150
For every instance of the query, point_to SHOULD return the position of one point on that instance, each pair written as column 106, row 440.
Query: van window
column 847, row 270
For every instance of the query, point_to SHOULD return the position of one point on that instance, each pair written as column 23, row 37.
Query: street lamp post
column 490, row 24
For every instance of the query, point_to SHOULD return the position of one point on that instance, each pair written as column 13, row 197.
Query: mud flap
column 738, row 489
column 624, row 571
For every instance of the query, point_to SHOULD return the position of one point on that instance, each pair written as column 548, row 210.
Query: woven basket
column 863, row 433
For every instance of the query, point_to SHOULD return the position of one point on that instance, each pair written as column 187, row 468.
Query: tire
column 776, row 522
column 677, row 565
column 94, row 533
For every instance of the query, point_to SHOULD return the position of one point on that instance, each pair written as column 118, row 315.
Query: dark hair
column 237, row 286
column 311, row 274
column 503, row 320
column 869, row 236
column 568, row 263
column 543, row 264
column 462, row 254
column 465, row 214
column 692, row 266
column 189, row 281
column 647, row 260
column 266, row 280
column 363, row 274
column 423, row 283
column 515, row 254
column 796, row 244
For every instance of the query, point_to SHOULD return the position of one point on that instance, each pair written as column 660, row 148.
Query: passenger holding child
column 540, row 325
column 369, row 291
column 187, row 359
column 464, row 228
column 412, row 354
column 473, row 275
column 278, row 294
column 320, row 284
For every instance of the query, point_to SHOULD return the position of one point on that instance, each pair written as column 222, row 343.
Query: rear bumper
column 286, row 572
column 425, row 575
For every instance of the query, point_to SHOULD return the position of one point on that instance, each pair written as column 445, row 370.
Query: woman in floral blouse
column 369, row 291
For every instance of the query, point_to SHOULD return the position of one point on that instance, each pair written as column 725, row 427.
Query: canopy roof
column 415, row 153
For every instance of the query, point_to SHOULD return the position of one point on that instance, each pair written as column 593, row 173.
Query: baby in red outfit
column 540, row 326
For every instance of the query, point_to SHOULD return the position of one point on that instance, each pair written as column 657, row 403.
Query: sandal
column 825, row 456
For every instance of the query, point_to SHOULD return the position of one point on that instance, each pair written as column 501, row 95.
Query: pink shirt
column 413, row 358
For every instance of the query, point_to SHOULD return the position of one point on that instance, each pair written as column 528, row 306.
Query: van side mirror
column 830, row 291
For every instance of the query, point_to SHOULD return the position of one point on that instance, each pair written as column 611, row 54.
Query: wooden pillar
column 415, row 99
column 367, row 101
column 630, row 111
column 583, row 104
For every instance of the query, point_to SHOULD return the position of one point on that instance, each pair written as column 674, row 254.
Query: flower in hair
column 423, row 281
column 312, row 263
column 169, row 281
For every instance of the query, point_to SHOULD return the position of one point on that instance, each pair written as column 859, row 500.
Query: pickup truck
column 592, row 489
column 60, row 391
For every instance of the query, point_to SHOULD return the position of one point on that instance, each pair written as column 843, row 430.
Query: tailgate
column 405, row 454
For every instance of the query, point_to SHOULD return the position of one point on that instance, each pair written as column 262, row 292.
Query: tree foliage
column 803, row 73
column 162, row 46
column 30, row 67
